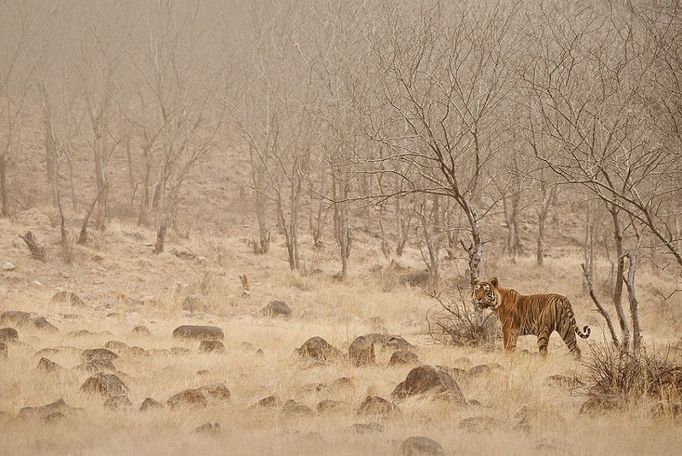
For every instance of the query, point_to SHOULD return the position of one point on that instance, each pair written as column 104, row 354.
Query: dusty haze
column 280, row 170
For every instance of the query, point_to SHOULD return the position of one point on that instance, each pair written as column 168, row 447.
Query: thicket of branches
column 430, row 118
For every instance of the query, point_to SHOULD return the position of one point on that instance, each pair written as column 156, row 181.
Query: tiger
column 521, row 315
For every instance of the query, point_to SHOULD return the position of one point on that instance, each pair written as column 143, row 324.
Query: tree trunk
column 83, row 236
column 3, row 187
column 632, row 298
column 618, row 279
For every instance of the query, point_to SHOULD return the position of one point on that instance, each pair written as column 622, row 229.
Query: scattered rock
column 389, row 341
column 14, row 316
column 314, row 387
column 319, row 349
column 600, row 405
column 141, row 330
column 3, row 350
column 180, row 351
column 45, row 411
column 192, row 303
column 7, row 266
column 107, row 385
column 115, row 345
column 361, row 351
column 403, row 357
column 483, row 369
column 454, row 372
column 480, row 424
column 117, row 402
column 367, row 428
column 563, row 381
column 378, row 406
column 342, row 383
column 46, row 352
column 293, row 408
column 150, row 404
column 64, row 297
column 96, row 366
column 48, row 366
column 81, row 333
column 427, row 379
column 276, row 309
column 199, row 332
column 218, row 391
column 98, row 355
column 420, row 446
column 8, row 335
column 54, row 417
column 329, row 406
column 41, row 323
column 207, row 428
column 212, row 346
column 267, row 402
column 529, row 417
column 191, row 398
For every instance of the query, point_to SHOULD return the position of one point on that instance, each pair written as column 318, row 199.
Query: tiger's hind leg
column 543, row 339
column 567, row 332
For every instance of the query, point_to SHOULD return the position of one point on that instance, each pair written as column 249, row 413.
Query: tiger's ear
column 494, row 282
column 475, row 281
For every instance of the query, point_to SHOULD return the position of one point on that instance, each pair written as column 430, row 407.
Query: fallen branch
column 37, row 250
column 600, row 308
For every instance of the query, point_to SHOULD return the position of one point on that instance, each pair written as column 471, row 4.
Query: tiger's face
column 483, row 294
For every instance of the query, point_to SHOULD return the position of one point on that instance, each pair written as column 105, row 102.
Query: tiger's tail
column 586, row 331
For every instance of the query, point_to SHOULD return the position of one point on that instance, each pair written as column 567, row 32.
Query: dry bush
column 456, row 322
column 613, row 372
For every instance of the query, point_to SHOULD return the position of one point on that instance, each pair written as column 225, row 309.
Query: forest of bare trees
column 433, row 119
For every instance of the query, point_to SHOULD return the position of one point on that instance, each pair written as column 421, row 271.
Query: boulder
column 207, row 428
column 199, row 332
column 98, row 355
column 480, row 424
column 420, row 446
column 107, row 385
column 218, row 391
column 319, row 349
column 563, row 381
column 48, row 366
column 150, row 404
column 400, row 357
column 214, row 346
column 601, row 405
column 7, row 266
column 115, row 345
column 293, row 408
column 426, row 379
column 117, row 402
column 14, row 316
column 390, row 341
column 483, row 370
column 361, row 351
column 45, row 411
column 141, row 331
column 331, row 406
column 190, row 398
column 8, row 335
column 367, row 428
column 67, row 297
column 81, row 333
column 41, row 323
column 379, row 407
column 96, row 366
column 276, row 308
column 342, row 383
column 267, row 402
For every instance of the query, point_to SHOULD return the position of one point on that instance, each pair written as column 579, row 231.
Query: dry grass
column 124, row 285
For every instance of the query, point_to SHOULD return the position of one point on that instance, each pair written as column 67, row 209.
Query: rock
column 115, row 345
column 314, row 387
column 46, row 352
column 8, row 335
column 41, row 323
column 54, row 417
column 45, row 411
column 454, row 372
column 150, row 404
column 218, row 391
column 45, row 365
column 81, row 333
column 199, row 332
column 67, row 297
column 207, row 428
column 601, row 405
column 276, row 309
column 420, row 446
column 141, row 330
column 480, row 424
column 329, row 406
column 563, row 381
column 529, row 417
column 483, row 369
column 107, row 385
column 378, row 406
column 342, row 383
column 14, row 316
column 427, row 379
column 367, row 428
column 135, row 351
column 361, row 351
column 180, row 351
column 4, row 353
column 389, row 341
column 293, row 408
column 191, row 398
column 267, row 402
column 319, row 349
column 212, row 346
column 403, row 357
column 7, row 266
column 96, row 366
column 98, row 355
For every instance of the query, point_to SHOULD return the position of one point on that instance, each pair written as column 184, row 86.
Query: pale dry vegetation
column 280, row 170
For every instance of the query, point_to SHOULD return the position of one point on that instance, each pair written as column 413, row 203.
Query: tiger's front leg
column 509, row 336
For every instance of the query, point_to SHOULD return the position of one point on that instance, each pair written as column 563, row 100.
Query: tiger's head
column 483, row 294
